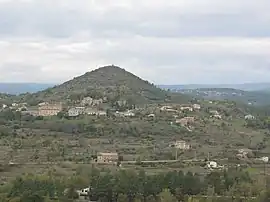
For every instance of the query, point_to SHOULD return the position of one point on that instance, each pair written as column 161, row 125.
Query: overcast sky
column 164, row 41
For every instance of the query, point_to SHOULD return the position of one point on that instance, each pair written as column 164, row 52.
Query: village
column 184, row 115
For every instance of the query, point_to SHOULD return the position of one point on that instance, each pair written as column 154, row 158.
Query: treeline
column 131, row 186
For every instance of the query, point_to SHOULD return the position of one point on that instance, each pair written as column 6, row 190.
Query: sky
column 165, row 42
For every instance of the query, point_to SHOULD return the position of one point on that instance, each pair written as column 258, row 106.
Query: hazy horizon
column 162, row 84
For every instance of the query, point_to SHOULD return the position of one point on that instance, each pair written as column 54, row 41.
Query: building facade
column 107, row 157
column 197, row 106
column 49, row 109
column 181, row 144
column 76, row 111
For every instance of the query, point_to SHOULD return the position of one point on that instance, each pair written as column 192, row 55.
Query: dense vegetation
column 131, row 186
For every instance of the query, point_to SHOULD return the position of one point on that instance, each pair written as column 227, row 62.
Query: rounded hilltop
column 112, row 82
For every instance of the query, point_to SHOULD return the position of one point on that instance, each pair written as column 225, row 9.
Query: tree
column 61, row 115
column 32, row 197
column 122, row 198
column 179, row 194
column 71, row 193
column 166, row 196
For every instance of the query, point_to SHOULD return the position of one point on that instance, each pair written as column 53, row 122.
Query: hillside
column 63, row 145
column 110, row 82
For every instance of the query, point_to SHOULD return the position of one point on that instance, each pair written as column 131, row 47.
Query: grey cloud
column 18, row 72
column 21, row 19
column 19, row 68
column 162, row 44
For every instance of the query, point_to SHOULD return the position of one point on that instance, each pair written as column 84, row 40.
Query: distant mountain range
column 244, row 86
column 256, row 98
column 19, row 88
column 248, row 93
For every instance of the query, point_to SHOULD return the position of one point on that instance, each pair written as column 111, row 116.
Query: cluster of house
column 76, row 111
column 16, row 106
column 87, row 106
column 90, row 106
column 88, row 101
column 186, row 121
column 43, row 109
column 182, row 108
column 246, row 153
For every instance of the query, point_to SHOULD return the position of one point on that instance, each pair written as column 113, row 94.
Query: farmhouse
column 249, row 117
column 107, row 157
column 197, row 106
column 49, row 109
column 75, row 111
column 181, row 144
column 186, row 109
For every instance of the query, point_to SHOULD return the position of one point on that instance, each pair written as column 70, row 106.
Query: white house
column 197, row 106
column 95, row 112
column 43, row 103
column 265, row 159
column 126, row 113
column 217, row 116
column 187, row 108
column 166, row 108
column 83, row 192
column 181, row 144
column 14, row 104
column 212, row 164
column 75, row 111
column 129, row 113
column 249, row 117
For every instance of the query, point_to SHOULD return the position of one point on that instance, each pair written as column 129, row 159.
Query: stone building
column 107, row 157
column 76, row 111
column 181, row 144
column 50, row 109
